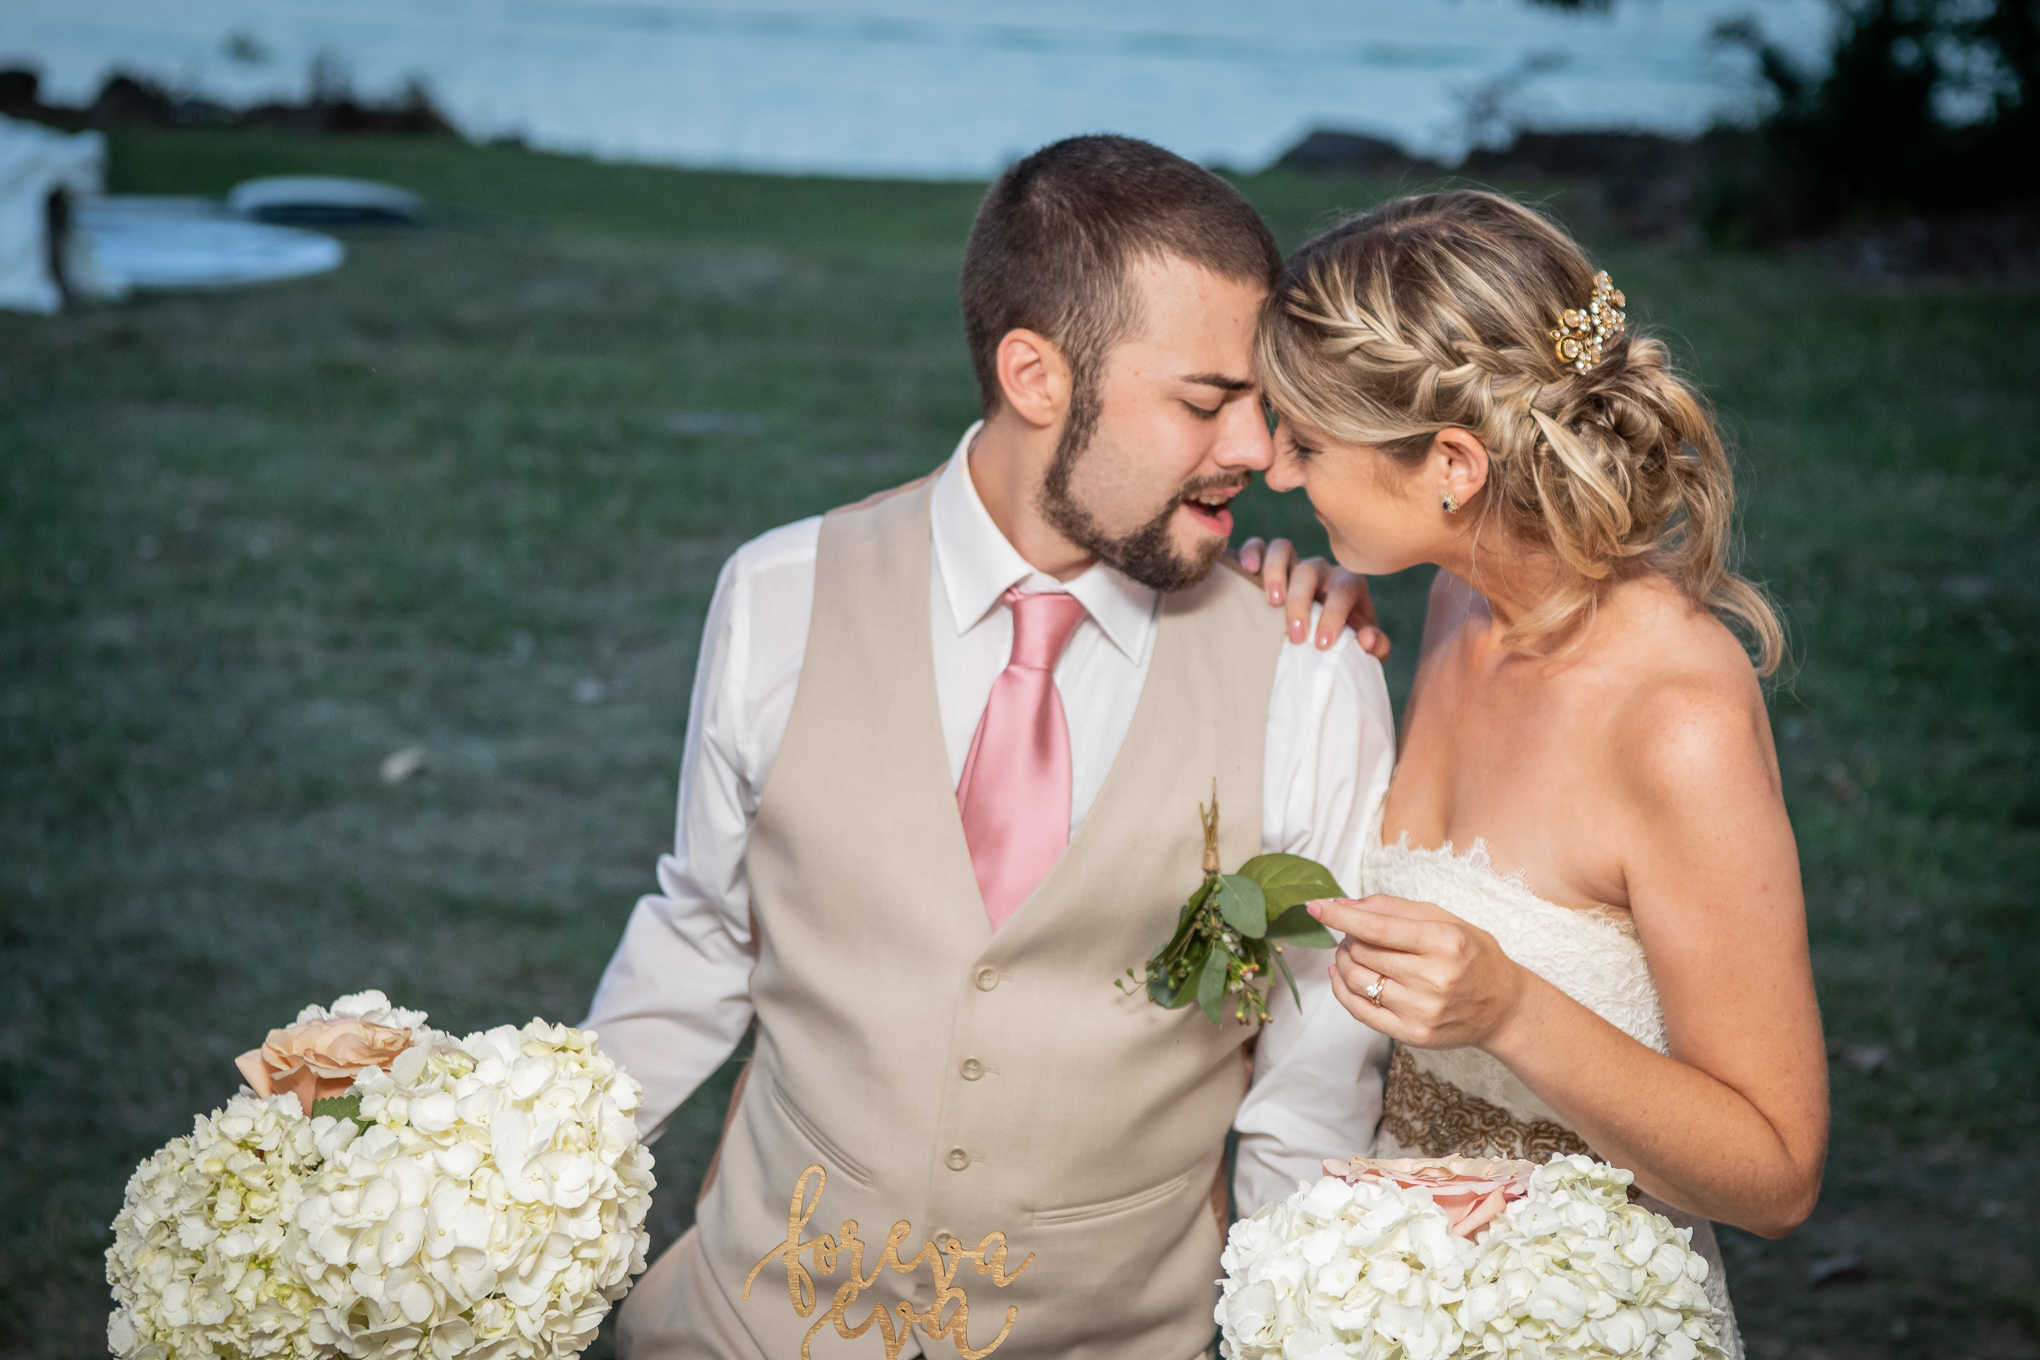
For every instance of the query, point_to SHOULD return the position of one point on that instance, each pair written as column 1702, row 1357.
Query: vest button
column 958, row 1159
column 987, row 978
column 972, row 1069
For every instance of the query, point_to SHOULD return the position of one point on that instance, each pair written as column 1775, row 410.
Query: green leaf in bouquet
column 339, row 1107
column 1242, row 903
column 1290, row 880
column 1298, row 927
column 1211, row 984
column 1287, row 976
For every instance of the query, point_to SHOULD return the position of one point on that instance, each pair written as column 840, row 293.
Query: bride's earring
column 1451, row 503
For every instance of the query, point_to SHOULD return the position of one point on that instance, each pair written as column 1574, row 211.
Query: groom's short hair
column 1055, row 234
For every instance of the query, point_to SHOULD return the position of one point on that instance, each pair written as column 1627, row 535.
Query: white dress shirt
column 675, row 1000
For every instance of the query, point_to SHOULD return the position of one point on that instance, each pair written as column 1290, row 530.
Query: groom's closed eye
column 1229, row 386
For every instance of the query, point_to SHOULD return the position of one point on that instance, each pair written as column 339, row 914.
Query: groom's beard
column 1148, row 554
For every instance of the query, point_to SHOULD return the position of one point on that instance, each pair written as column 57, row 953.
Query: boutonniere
column 1233, row 928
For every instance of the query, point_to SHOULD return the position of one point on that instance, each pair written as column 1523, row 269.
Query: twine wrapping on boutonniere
column 1233, row 928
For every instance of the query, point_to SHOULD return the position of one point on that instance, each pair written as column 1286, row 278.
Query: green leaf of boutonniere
column 1242, row 903
column 1232, row 930
column 1298, row 927
column 1290, row 880
column 1289, row 978
column 1211, row 983
column 1159, row 990
column 1188, row 917
column 1174, row 993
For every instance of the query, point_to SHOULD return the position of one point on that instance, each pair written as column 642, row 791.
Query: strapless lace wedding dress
column 1445, row 1101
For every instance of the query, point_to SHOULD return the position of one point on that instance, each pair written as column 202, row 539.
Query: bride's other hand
column 1421, row 975
column 1295, row 583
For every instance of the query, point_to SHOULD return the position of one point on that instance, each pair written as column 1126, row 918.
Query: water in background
column 940, row 88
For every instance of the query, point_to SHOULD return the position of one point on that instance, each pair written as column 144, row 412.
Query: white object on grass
column 323, row 200
column 398, row 766
column 144, row 241
column 37, row 164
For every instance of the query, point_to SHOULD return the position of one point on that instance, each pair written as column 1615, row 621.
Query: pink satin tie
column 1015, row 791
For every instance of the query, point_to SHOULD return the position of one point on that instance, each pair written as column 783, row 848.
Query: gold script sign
column 987, row 1258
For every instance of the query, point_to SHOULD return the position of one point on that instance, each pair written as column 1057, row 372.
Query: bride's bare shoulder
column 1691, row 715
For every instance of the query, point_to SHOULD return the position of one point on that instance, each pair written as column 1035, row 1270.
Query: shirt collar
column 978, row 565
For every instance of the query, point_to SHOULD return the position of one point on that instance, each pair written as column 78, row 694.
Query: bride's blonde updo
column 1436, row 312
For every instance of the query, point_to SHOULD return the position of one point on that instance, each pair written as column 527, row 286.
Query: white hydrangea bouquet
column 382, row 1189
column 1458, row 1258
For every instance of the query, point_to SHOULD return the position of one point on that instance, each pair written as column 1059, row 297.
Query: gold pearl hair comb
column 1580, row 335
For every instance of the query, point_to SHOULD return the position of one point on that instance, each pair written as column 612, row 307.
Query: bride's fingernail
column 1296, row 630
column 1324, row 639
column 1275, row 595
column 1315, row 908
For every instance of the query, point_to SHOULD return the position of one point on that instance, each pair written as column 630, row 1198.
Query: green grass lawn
column 470, row 493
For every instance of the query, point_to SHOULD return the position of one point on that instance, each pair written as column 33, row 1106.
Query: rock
column 1633, row 157
column 1638, row 183
column 1326, row 152
column 1865, row 1058
column 398, row 766
column 1847, row 1268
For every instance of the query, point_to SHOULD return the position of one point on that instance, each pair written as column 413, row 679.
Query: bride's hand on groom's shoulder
column 1421, row 975
column 1294, row 584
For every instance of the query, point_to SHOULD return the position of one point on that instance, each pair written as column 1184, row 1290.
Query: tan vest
column 967, row 1083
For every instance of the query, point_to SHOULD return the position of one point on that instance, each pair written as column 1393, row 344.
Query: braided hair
column 1434, row 312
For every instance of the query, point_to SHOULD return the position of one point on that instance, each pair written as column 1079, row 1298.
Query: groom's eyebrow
column 1220, row 381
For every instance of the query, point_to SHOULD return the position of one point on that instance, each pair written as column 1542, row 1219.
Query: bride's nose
column 1285, row 473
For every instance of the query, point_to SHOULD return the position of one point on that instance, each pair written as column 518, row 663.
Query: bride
column 1583, row 927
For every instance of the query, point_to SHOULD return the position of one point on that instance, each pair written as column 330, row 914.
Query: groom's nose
column 1243, row 438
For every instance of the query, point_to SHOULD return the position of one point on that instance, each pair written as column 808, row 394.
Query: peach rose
column 317, row 1059
column 1471, row 1191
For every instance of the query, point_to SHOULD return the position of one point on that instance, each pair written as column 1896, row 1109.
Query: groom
column 940, row 788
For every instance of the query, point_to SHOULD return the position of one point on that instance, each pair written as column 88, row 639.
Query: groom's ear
column 1034, row 378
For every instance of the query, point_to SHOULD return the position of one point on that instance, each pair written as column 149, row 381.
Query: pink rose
column 317, row 1059
column 1471, row 1191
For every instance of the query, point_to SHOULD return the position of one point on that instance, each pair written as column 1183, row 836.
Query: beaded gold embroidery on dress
column 1439, row 1120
